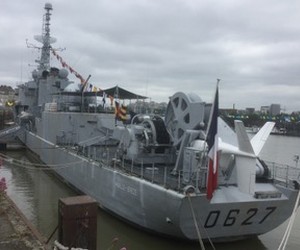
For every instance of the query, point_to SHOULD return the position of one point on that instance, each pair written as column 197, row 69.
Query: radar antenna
column 45, row 39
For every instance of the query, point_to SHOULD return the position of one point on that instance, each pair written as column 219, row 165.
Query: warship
column 186, row 175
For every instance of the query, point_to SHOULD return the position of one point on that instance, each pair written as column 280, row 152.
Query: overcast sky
column 159, row 47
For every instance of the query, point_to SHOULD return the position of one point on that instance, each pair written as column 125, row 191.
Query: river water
column 36, row 192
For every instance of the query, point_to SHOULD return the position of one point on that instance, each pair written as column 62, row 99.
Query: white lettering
column 126, row 188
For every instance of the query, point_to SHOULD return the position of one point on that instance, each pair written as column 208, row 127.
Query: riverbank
column 16, row 232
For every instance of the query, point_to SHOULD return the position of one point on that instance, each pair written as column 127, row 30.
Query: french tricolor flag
column 212, row 142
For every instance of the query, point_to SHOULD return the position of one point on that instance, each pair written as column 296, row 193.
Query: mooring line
column 290, row 225
column 196, row 224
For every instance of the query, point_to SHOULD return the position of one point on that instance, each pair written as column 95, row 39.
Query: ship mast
column 46, row 40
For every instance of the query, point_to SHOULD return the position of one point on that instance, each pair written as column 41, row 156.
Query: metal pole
column 165, row 176
column 82, row 92
column 115, row 161
column 152, row 172
column 107, row 156
column 179, row 180
column 287, row 176
column 197, row 180
column 142, row 166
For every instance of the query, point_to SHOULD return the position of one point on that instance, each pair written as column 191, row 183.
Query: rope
column 196, row 224
column 52, row 234
column 31, row 166
column 290, row 225
column 59, row 246
column 82, row 80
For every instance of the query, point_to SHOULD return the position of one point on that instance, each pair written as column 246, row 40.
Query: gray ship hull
column 229, row 215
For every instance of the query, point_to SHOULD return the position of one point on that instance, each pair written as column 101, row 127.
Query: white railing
column 283, row 173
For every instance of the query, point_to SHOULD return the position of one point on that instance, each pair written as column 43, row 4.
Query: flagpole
column 82, row 92
column 211, row 112
column 212, row 143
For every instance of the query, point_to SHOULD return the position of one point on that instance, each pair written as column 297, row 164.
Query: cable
column 33, row 166
column 196, row 225
column 290, row 225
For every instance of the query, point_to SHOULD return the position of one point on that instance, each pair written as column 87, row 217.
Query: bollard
column 77, row 222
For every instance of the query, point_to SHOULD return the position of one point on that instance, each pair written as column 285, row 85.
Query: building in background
column 265, row 109
column 275, row 109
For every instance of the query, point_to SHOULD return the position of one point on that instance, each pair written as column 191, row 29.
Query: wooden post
column 77, row 222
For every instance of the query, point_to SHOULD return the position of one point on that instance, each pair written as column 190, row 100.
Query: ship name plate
column 127, row 188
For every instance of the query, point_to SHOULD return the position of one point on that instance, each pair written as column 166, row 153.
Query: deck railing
column 283, row 173
column 163, row 174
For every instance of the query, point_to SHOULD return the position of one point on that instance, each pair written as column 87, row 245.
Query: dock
column 16, row 232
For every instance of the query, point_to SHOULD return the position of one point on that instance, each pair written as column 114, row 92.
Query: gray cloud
column 158, row 47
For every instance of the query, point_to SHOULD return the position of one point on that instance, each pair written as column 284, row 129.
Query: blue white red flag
column 212, row 142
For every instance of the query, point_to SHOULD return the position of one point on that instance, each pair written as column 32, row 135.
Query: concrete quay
column 16, row 232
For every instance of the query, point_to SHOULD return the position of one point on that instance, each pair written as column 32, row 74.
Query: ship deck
column 165, row 176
